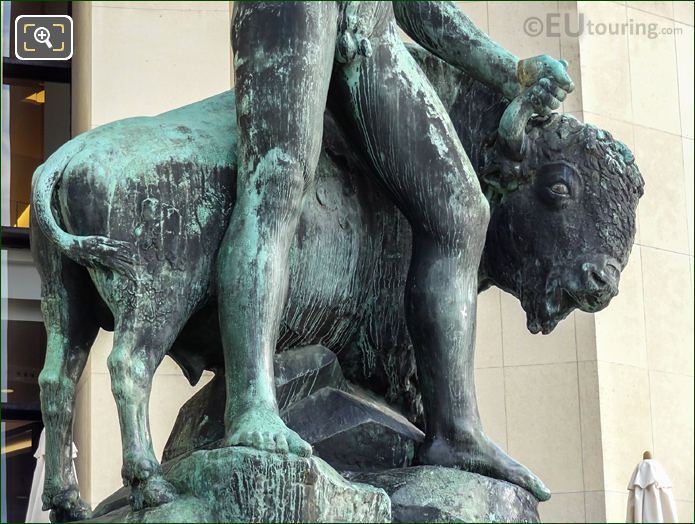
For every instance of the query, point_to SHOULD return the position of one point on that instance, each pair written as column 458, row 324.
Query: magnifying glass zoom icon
column 43, row 36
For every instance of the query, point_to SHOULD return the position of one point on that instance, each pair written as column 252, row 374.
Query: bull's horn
column 512, row 129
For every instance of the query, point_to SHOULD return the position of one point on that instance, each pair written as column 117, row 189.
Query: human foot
column 261, row 428
column 474, row 451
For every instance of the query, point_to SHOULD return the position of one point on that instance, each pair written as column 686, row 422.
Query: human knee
column 463, row 225
column 279, row 180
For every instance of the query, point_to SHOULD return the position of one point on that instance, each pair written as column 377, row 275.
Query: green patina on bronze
column 240, row 484
column 310, row 226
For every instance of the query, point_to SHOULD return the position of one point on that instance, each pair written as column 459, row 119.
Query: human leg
column 417, row 155
column 281, row 86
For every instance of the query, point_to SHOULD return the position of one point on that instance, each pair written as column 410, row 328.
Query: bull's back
column 163, row 183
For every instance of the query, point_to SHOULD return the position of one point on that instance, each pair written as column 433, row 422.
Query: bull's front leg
column 441, row 302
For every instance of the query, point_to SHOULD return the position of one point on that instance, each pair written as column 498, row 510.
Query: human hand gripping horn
column 545, row 84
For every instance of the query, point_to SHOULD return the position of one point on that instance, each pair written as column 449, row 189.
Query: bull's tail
column 89, row 251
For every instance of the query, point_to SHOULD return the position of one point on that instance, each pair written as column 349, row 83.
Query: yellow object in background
column 23, row 218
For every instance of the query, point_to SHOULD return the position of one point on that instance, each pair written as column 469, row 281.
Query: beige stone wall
column 578, row 406
column 644, row 341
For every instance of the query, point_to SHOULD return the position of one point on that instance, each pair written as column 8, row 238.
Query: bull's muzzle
column 598, row 281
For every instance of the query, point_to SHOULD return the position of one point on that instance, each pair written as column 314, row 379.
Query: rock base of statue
column 368, row 442
column 244, row 485
column 436, row 494
column 270, row 488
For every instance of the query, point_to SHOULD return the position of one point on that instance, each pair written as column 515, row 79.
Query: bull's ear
column 500, row 173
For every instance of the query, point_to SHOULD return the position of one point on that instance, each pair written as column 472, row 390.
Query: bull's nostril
column 599, row 278
column 596, row 279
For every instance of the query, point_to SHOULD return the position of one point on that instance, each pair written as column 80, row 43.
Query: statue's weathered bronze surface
column 394, row 210
column 398, row 120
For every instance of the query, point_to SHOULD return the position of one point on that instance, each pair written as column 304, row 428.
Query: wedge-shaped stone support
column 354, row 433
column 298, row 373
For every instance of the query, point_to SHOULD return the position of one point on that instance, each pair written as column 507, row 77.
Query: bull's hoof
column 151, row 492
column 473, row 451
column 67, row 506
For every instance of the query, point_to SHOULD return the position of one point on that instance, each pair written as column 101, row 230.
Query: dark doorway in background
column 35, row 122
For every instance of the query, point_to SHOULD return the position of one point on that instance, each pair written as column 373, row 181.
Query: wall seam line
column 644, row 313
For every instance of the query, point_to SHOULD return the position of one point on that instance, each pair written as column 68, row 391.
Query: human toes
column 281, row 445
column 234, row 439
column 267, row 441
column 533, row 484
column 257, row 440
column 508, row 469
column 298, row 446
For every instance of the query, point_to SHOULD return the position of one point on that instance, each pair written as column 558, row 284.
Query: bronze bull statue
column 127, row 220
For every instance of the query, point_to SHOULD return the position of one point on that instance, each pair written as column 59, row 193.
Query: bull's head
column 563, row 199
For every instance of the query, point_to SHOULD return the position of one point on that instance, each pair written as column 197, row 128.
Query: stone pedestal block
column 244, row 485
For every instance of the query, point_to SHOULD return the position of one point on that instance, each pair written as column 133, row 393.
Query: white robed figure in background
column 34, row 511
column 651, row 497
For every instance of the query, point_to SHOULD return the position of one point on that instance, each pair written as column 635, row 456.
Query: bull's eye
column 558, row 185
column 560, row 188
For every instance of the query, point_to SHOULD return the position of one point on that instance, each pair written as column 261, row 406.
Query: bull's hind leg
column 66, row 304
column 140, row 344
